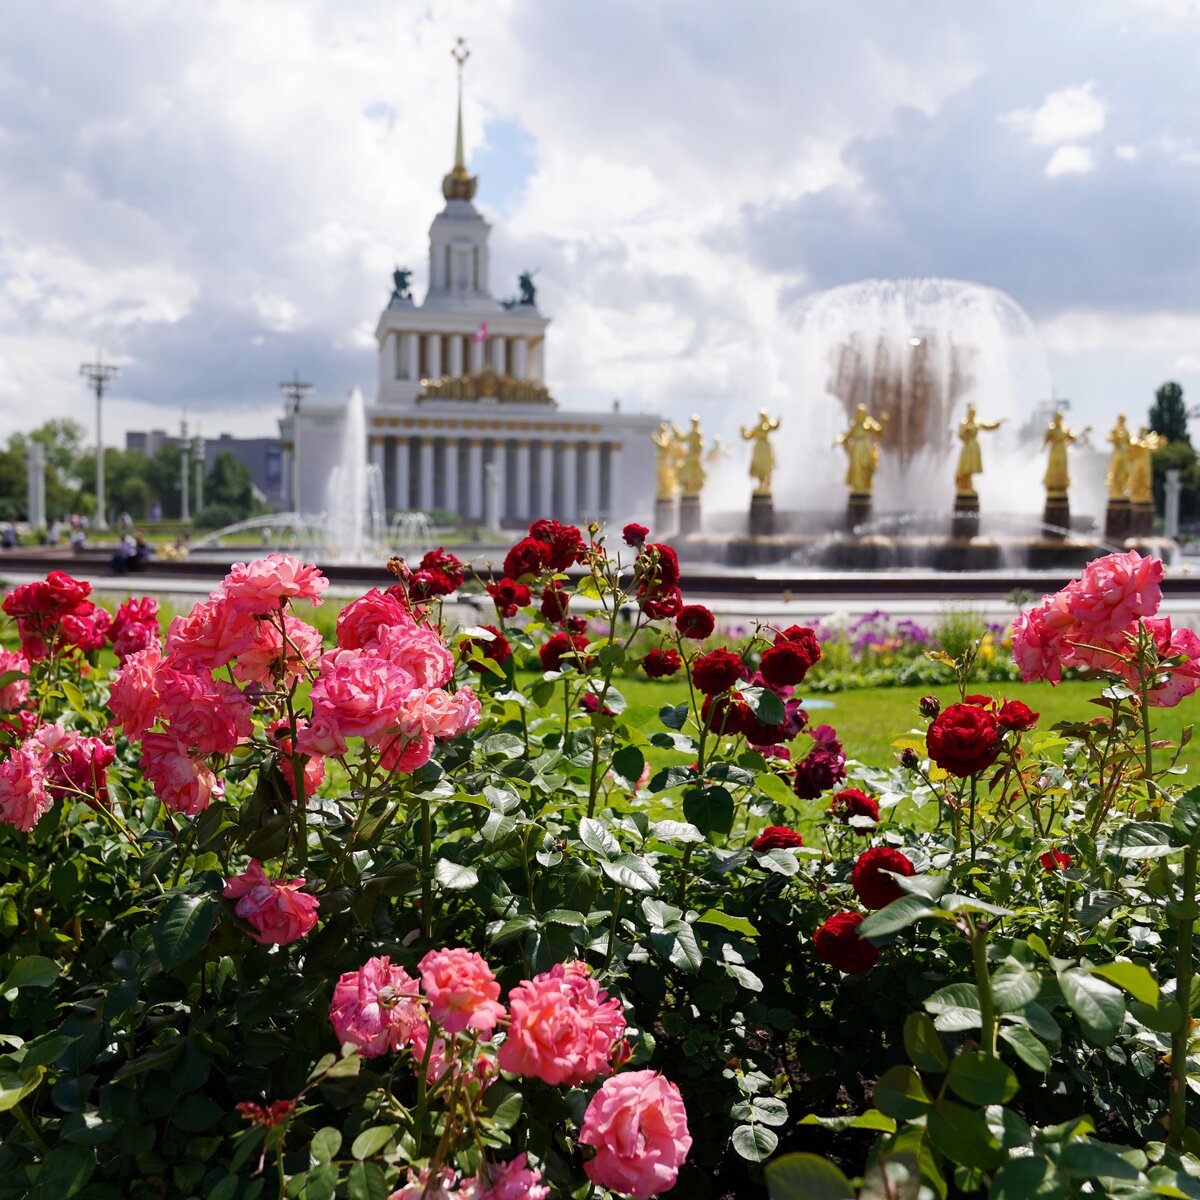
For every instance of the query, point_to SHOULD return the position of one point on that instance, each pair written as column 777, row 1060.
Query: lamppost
column 185, row 470
column 200, row 454
column 294, row 391
column 99, row 374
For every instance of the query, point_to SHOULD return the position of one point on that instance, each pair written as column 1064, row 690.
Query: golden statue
column 862, row 446
column 762, row 457
column 1118, row 464
column 970, row 460
column 1058, row 437
column 691, row 468
column 666, row 460
column 1141, row 465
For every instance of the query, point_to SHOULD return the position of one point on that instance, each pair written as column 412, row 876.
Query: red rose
column 963, row 739
column 658, row 664
column 498, row 649
column 929, row 707
column 443, row 561
column 802, row 635
column 528, row 557
column 875, row 888
column 590, row 703
column 838, row 944
column 62, row 595
column 785, row 665
column 852, row 803
column 777, row 837
column 759, row 733
column 554, row 604
column 509, row 595
column 635, row 534
column 577, row 624
column 726, row 714
column 552, row 652
column 694, row 621
column 661, row 604
column 566, row 543
column 979, row 701
column 1016, row 716
column 660, row 566
column 1055, row 860
column 717, row 671
column 429, row 581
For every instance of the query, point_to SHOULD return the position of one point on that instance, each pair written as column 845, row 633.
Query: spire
column 458, row 185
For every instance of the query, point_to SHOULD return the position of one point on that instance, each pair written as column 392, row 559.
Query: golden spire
column 458, row 185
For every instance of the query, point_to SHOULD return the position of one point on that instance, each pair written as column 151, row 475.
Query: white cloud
column 1064, row 116
column 1127, row 153
column 1070, row 160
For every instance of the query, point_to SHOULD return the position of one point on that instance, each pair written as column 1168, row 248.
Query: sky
column 214, row 194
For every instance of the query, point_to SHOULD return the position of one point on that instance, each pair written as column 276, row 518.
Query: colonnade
column 431, row 355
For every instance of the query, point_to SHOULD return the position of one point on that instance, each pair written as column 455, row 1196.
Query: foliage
column 1168, row 414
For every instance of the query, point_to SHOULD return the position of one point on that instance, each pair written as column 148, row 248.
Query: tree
column 1168, row 414
column 229, row 493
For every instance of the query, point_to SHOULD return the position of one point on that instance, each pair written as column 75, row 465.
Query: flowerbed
column 487, row 965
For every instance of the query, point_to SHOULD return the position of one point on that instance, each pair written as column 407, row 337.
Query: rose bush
column 426, row 911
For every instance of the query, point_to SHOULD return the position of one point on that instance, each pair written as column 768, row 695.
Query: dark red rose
column 727, row 714
column 566, row 543
column 659, row 566
column 979, row 701
column 694, row 621
column 554, row 604
column 838, row 944
column 660, row 605
column 443, row 561
column 717, row 671
column 823, row 767
column 577, row 624
column 498, row 649
column 1016, row 716
column 658, row 664
column 590, row 703
column 963, row 739
column 428, row 582
column 785, row 665
column 852, row 803
column 909, row 759
column 875, row 888
column 635, row 534
column 802, row 635
column 1055, row 860
column 553, row 651
column 509, row 595
column 929, row 707
column 777, row 837
column 63, row 594
column 528, row 557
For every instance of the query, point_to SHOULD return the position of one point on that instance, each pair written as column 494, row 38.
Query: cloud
column 1070, row 160
column 1064, row 116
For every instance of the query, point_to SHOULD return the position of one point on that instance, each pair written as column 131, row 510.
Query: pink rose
column 563, row 1028
column 1115, row 590
column 462, row 990
column 313, row 768
column 357, row 694
column 211, row 635
column 638, row 1125
column 134, row 626
column 419, row 1186
column 263, row 660
column 419, row 650
column 1171, row 643
column 1041, row 637
column 12, row 695
column 259, row 586
column 277, row 909
column 376, row 1007
column 76, row 766
column 514, row 1180
column 134, row 697
column 443, row 715
column 182, row 783
column 402, row 755
column 210, row 715
column 23, row 796
column 359, row 622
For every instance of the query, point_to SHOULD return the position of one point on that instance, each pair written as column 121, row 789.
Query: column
column 520, row 357
column 377, row 453
column 433, row 355
column 456, row 355
column 537, row 360
column 591, row 483
column 523, row 498
column 570, row 473
column 425, row 482
column 476, row 355
column 400, row 497
column 616, row 498
column 450, row 472
column 474, row 479
column 391, row 355
column 498, row 364
column 411, row 356
column 546, row 479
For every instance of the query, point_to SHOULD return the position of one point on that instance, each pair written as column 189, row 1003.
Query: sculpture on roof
column 401, row 278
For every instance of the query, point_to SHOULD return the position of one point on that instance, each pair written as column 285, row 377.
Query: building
column 463, row 398
column 262, row 457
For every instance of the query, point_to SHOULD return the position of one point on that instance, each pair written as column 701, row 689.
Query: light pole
column 294, row 391
column 99, row 374
column 185, row 470
column 200, row 455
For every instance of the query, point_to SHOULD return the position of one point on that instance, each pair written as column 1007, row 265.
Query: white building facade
column 462, row 397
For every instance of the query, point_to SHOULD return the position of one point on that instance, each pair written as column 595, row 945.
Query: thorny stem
column 987, row 1006
column 1181, row 1035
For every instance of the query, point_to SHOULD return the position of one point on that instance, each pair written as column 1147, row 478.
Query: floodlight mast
column 99, row 374
column 294, row 391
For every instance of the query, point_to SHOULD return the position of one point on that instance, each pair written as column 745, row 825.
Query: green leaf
column 33, row 971
column 673, row 716
column 765, row 705
column 755, row 1143
column 710, row 809
column 963, row 1136
column 1185, row 816
column 458, row 877
column 74, row 697
column 371, row 1141
column 1085, row 1159
column 632, row 872
column 1029, row 1048
column 676, row 831
column 901, row 1094
column 15, row 1084
column 1018, row 1179
column 1013, row 987
column 734, row 924
column 597, row 838
column 780, row 859
column 183, row 928
column 670, row 777
column 900, row 914
column 685, row 953
column 64, row 1172
column 769, row 1110
column 366, row 1181
column 922, row 1044
column 806, row 1177
column 981, row 1079
column 1099, row 1006
column 871, row 1119
column 955, row 1007
column 1137, row 981
column 744, row 976
column 326, row 1143
column 1143, row 839
column 629, row 762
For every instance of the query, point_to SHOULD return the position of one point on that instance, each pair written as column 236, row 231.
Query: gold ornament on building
column 762, row 457
column 970, row 458
column 691, row 471
column 862, row 449
column 487, row 383
column 1141, row 465
column 459, row 185
column 1118, row 463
